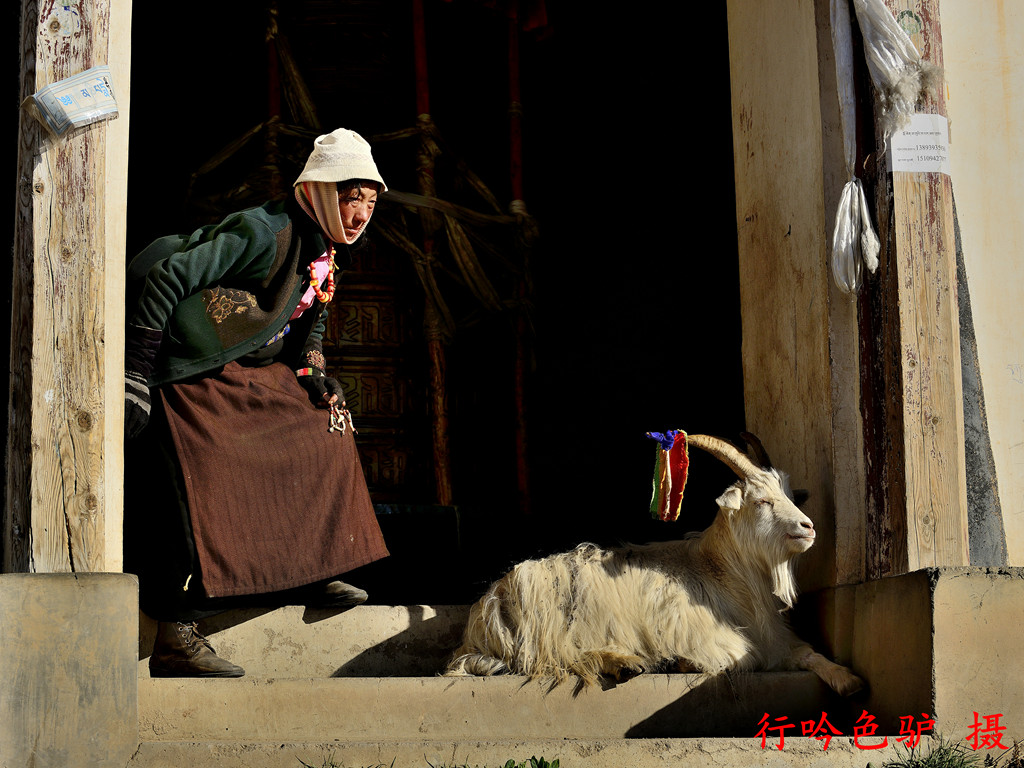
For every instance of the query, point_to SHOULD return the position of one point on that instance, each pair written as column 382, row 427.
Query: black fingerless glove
column 140, row 348
column 320, row 386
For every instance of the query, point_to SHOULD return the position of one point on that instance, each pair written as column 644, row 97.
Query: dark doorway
column 628, row 172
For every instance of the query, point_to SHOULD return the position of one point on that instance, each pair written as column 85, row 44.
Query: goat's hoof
column 628, row 672
column 849, row 685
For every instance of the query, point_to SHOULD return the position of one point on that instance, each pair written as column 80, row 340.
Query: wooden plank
column 56, row 470
column 783, row 266
column 886, row 512
column 436, row 357
column 115, row 183
column 17, row 511
column 849, row 468
column 933, row 433
column 924, row 348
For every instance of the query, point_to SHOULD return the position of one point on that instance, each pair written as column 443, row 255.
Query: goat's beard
column 798, row 545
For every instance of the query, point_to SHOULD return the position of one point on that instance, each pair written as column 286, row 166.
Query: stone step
column 367, row 709
column 372, row 674
column 299, row 642
column 797, row 752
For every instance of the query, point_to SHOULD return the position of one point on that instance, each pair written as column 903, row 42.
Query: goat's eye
column 765, row 501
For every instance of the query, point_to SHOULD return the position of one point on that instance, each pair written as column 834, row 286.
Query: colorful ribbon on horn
column 672, row 463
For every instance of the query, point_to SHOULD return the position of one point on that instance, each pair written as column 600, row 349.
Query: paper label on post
column 922, row 146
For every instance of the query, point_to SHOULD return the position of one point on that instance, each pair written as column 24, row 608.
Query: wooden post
column 431, row 322
column 271, row 147
column 522, row 352
column 115, row 177
column 849, row 478
column 784, row 279
column 800, row 370
column 63, row 510
column 924, row 519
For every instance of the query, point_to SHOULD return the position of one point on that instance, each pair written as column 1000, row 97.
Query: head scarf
column 320, row 200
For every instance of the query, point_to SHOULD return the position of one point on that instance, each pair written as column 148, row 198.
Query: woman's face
column 356, row 204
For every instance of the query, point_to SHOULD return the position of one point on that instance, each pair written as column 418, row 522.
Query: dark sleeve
column 313, row 350
column 240, row 249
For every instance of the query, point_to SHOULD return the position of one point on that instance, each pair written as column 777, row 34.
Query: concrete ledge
column 69, row 694
column 938, row 641
column 402, row 709
column 635, row 753
column 942, row 641
column 366, row 641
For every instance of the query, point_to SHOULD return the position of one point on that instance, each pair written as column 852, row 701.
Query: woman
column 242, row 476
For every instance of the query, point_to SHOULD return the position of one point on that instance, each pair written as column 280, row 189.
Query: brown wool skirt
column 276, row 501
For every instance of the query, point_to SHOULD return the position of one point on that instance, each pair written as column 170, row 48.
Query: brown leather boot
column 181, row 651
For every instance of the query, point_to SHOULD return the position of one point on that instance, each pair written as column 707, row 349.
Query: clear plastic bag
column 74, row 102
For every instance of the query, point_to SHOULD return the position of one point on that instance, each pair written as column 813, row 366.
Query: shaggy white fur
column 708, row 603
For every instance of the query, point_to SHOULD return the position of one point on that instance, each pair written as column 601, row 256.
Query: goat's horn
column 757, row 449
column 725, row 452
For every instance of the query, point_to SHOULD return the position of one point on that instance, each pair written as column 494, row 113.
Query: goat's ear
column 731, row 499
column 800, row 496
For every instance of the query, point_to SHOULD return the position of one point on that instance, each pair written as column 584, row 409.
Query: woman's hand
column 323, row 390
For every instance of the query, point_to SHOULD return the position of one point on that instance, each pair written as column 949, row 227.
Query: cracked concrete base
column 68, row 687
column 946, row 641
column 597, row 753
column 360, row 685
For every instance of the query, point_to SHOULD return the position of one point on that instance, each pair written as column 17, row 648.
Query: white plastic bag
column 854, row 243
column 854, row 240
column 901, row 79
column 900, row 76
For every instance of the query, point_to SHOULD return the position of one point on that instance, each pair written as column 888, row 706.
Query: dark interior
column 634, row 301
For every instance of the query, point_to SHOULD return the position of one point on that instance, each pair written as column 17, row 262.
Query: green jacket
column 225, row 290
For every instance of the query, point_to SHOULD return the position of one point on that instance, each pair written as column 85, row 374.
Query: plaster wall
column 981, row 44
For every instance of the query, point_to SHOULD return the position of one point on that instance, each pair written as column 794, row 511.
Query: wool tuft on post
column 711, row 602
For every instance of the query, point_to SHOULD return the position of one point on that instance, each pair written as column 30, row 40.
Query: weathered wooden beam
column 436, row 357
column 17, row 509
column 923, row 516
column 115, row 178
column 784, row 280
column 849, row 480
column 893, row 496
column 63, row 490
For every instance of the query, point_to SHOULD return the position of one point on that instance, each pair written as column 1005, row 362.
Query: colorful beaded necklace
column 327, row 295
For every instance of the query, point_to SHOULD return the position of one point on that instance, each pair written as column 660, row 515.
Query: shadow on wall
column 423, row 650
column 732, row 704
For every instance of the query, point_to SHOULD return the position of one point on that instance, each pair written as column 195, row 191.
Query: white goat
column 708, row 603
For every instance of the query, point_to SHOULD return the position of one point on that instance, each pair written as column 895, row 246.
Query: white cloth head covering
column 339, row 156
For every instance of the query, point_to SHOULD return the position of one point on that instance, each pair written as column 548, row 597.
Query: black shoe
column 336, row 594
